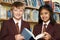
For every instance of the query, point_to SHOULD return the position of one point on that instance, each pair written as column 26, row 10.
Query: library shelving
column 32, row 7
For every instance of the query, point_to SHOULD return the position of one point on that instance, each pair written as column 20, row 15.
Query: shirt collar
column 46, row 22
column 16, row 21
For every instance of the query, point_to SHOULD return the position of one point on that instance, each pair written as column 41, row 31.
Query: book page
column 30, row 33
column 37, row 37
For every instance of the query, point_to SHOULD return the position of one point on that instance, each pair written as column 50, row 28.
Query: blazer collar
column 14, row 27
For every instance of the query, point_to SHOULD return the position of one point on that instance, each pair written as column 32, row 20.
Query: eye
column 15, row 10
column 46, row 13
column 41, row 13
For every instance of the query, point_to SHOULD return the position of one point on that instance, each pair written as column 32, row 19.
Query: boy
column 11, row 29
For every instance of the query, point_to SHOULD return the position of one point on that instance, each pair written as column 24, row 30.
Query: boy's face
column 18, row 12
column 45, row 15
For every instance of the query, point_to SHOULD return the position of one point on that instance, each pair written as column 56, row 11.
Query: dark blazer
column 53, row 30
column 9, row 29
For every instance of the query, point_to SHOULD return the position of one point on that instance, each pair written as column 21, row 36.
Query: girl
column 47, row 24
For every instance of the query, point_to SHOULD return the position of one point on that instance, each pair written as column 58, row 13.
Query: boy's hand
column 19, row 37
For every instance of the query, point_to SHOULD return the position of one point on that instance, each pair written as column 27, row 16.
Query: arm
column 5, row 34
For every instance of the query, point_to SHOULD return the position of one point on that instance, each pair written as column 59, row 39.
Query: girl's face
column 45, row 15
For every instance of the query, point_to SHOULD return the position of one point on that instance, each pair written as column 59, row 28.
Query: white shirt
column 46, row 25
column 19, row 23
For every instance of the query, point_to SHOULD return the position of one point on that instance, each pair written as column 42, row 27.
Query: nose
column 43, row 15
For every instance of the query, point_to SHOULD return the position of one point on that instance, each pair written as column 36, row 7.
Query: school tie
column 17, row 27
column 44, row 28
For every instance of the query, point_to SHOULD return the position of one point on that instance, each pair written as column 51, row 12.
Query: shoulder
column 8, row 21
column 37, row 25
column 57, row 26
column 25, row 22
column 5, row 24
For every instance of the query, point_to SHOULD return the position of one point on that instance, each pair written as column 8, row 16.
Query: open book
column 28, row 34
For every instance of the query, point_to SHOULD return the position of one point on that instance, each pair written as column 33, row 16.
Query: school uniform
column 53, row 30
column 9, row 29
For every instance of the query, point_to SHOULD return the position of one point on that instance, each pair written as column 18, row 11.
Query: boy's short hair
column 17, row 4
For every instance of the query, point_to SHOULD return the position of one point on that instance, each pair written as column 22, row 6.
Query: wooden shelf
column 9, row 4
column 3, row 19
column 6, row 3
column 32, row 7
column 58, row 22
column 57, row 12
column 30, row 21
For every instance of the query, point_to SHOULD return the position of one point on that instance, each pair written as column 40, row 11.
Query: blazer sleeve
column 57, row 32
column 37, row 29
column 4, row 34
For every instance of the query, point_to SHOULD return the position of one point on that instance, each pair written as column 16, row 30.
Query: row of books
column 56, row 7
column 56, row 10
column 57, row 17
column 34, row 3
column 31, row 15
column 11, row 1
column 3, row 11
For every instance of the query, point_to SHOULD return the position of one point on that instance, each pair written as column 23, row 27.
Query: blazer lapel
column 14, row 27
column 22, row 25
column 50, row 28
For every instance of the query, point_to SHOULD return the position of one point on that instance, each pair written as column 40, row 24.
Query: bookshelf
column 5, row 3
column 31, row 10
column 8, row 3
column 56, row 9
column 32, row 5
column 29, row 7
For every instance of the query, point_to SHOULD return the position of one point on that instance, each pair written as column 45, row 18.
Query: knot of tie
column 16, row 23
column 45, row 25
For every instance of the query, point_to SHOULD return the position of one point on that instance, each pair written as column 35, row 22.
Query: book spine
column 56, row 17
column 27, row 14
column 9, row 14
column 26, row 2
column 42, row 2
column 34, row 3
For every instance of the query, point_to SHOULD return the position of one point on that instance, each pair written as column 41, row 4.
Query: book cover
column 3, row 12
column 28, row 34
column 56, row 17
column 34, row 3
column 38, row 3
column 30, row 3
column 56, row 7
column 27, row 14
column 42, row 2
column 34, row 16
column 26, row 2
column 9, row 14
